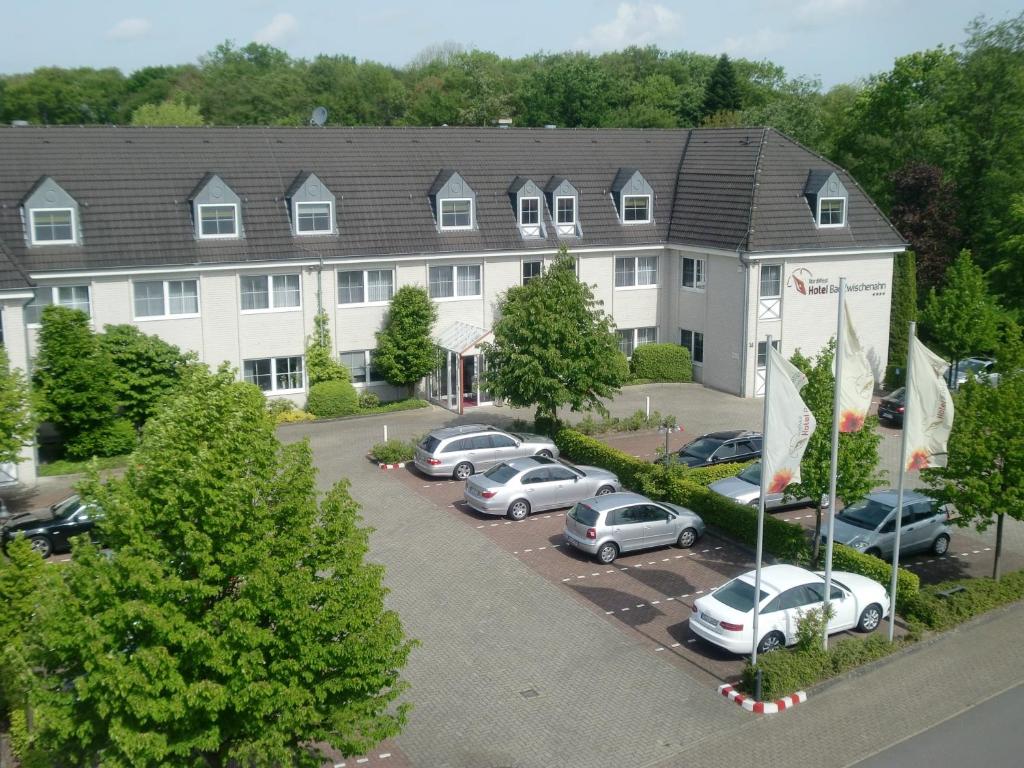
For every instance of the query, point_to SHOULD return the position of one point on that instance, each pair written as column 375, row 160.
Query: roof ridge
column 675, row 189
column 753, row 190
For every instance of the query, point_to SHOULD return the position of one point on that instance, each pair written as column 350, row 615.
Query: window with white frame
column 457, row 213
column 636, row 209
column 692, row 271
column 365, row 286
column 360, row 366
column 762, row 351
column 770, row 292
column 636, row 271
column 165, row 298
column 70, row 296
column 631, row 338
column 270, row 292
column 565, row 214
column 275, row 374
column 532, row 270
column 831, row 212
column 52, row 226
column 313, row 218
column 529, row 216
column 218, row 220
column 454, row 281
column 694, row 342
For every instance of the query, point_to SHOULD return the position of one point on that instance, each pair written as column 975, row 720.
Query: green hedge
column 707, row 475
column 907, row 584
column 409, row 404
column 979, row 595
column 662, row 362
column 330, row 399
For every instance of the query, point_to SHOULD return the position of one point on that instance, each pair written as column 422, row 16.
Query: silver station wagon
column 466, row 449
column 520, row 486
column 605, row 526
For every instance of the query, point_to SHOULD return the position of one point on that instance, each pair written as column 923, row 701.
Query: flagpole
column 834, row 466
column 760, row 500
column 903, row 474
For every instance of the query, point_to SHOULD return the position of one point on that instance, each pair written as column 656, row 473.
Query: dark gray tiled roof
column 11, row 276
column 133, row 187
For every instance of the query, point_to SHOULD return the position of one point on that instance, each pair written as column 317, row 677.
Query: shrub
column 277, row 406
column 408, row 404
column 662, row 362
column 111, row 439
column 293, row 416
column 937, row 611
column 393, row 451
column 330, row 399
column 848, row 559
column 707, row 475
column 368, row 400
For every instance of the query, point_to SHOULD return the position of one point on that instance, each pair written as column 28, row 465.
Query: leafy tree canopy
column 405, row 348
column 168, row 113
column 17, row 422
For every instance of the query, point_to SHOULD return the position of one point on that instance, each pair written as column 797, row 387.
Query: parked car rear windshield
column 738, row 594
column 751, row 474
column 501, row 473
column 583, row 514
column 866, row 513
column 430, row 443
column 701, row 448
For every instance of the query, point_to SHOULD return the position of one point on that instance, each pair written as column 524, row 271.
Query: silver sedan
column 517, row 487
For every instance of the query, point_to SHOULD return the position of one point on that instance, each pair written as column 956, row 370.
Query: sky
column 836, row 41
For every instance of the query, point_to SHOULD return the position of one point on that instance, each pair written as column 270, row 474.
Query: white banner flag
column 858, row 382
column 929, row 407
column 789, row 426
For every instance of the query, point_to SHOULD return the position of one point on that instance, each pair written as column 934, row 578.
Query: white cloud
column 129, row 29
column 757, row 45
column 818, row 12
column 638, row 23
column 279, row 28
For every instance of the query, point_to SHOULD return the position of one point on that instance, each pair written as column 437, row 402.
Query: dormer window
column 827, row 198
column 564, row 200
column 50, row 215
column 218, row 220
column 529, row 215
column 565, row 215
column 311, row 206
column 525, row 197
column 453, row 201
column 216, row 209
column 633, row 196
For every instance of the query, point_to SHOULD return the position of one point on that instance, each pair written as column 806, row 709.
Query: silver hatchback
column 520, row 486
column 466, row 449
column 869, row 525
column 605, row 526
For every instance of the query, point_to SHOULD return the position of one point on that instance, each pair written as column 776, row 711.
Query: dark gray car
column 604, row 526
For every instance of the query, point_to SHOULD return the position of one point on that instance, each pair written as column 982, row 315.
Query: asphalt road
column 988, row 734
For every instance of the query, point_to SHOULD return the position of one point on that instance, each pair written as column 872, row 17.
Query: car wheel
column 771, row 642
column 687, row 538
column 607, row 553
column 941, row 544
column 604, row 490
column 874, row 552
column 545, row 453
column 870, row 618
column 42, row 545
column 518, row 510
column 463, row 471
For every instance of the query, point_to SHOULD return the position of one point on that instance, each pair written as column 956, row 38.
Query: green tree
column 56, row 96
column 984, row 474
column 72, row 378
column 168, row 113
column 903, row 312
column 963, row 318
column 405, row 349
column 925, row 212
column 17, row 422
column 235, row 620
column 722, row 92
column 858, row 451
column 553, row 345
column 321, row 364
column 148, row 369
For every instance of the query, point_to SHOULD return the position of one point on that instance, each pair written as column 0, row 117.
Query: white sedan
column 725, row 617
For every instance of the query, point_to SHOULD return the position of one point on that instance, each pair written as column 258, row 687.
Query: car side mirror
column 575, row 478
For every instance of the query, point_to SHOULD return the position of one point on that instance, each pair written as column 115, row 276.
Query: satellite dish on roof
column 319, row 117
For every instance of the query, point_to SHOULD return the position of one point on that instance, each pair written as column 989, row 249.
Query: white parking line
column 608, row 612
column 640, row 605
column 581, row 577
column 610, row 570
column 692, row 640
column 595, row 574
column 659, row 648
column 655, row 602
column 678, row 556
column 666, row 559
column 670, row 598
column 675, row 645
column 540, row 548
column 623, row 609
column 682, row 596
column 530, row 550
column 384, row 755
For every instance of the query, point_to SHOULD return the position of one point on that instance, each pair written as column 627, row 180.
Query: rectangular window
column 53, row 225
column 380, row 284
column 459, row 281
column 164, row 298
column 313, row 218
column 692, row 271
column 633, row 271
column 762, row 352
column 831, row 211
column 360, row 366
column 631, row 338
column 350, row 287
column 457, row 214
column 218, row 220
column 694, row 342
column 268, row 292
column 770, row 292
column 625, row 342
column 70, row 296
column 275, row 374
column 531, row 270
column 636, row 209
column 565, row 208
column 529, row 211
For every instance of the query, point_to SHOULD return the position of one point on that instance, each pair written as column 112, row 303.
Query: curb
column 400, row 465
column 762, row 707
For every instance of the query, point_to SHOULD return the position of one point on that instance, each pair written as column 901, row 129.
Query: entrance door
column 470, row 386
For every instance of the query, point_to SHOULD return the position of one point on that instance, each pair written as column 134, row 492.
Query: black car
column 50, row 530
column 890, row 409
column 719, row 448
